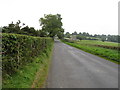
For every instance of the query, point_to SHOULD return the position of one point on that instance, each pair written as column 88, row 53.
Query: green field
column 95, row 42
column 89, row 46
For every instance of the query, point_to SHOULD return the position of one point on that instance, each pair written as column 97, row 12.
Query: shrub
column 18, row 50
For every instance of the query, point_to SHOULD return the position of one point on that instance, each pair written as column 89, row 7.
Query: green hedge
column 18, row 50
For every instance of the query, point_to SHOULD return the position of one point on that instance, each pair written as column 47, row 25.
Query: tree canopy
column 52, row 25
column 20, row 29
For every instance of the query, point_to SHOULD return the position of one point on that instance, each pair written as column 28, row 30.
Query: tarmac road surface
column 74, row 68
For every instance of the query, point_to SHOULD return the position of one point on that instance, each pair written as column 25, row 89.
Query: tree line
column 51, row 27
column 87, row 36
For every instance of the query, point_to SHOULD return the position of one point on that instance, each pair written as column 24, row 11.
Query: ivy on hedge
column 18, row 50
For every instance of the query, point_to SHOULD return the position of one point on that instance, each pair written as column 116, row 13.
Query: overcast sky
column 92, row 16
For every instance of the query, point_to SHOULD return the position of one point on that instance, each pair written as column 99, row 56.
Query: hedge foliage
column 18, row 50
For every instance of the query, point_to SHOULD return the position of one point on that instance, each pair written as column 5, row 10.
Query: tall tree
column 52, row 25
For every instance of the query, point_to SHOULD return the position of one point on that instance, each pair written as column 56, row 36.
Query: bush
column 18, row 50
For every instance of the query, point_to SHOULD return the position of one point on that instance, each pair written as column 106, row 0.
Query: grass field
column 89, row 46
column 96, row 42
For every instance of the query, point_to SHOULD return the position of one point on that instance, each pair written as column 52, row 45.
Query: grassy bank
column 108, row 54
column 33, row 75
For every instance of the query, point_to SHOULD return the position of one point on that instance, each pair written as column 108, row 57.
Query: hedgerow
column 18, row 50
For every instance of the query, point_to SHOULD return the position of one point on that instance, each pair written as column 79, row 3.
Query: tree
column 60, row 34
column 103, row 37
column 12, row 28
column 42, row 33
column 75, row 33
column 84, row 34
column 52, row 25
column 79, row 37
column 9, row 29
column 80, row 33
column 25, row 30
column 67, row 35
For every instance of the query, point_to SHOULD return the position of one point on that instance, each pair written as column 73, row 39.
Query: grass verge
column 33, row 75
column 108, row 54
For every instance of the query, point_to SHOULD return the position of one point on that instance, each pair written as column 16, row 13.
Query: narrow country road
column 73, row 68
